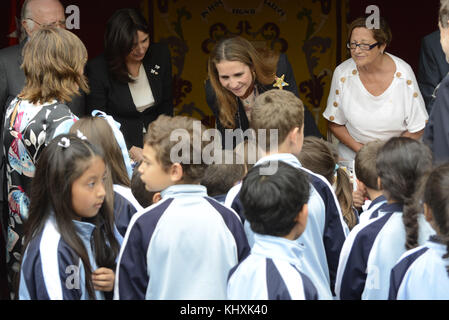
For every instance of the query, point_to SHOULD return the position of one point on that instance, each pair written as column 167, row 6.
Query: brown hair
column 53, row 62
column 99, row 133
column 276, row 109
column 365, row 164
column 183, row 134
column 262, row 62
column 320, row 156
column 382, row 35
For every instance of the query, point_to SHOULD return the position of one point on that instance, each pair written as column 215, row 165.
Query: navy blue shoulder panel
column 123, row 212
column 399, row 271
column 277, row 290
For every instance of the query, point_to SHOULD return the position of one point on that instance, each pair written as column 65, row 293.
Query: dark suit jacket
column 241, row 120
column 433, row 66
column 115, row 98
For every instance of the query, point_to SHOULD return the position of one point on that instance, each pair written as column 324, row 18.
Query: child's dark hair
column 51, row 191
column 401, row 165
column 220, row 177
column 436, row 193
column 142, row 195
column 272, row 202
column 320, row 157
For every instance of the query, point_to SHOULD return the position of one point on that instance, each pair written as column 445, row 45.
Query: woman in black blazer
column 237, row 74
column 132, row 79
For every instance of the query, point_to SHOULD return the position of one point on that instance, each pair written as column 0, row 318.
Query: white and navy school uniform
column 325, row 232
column 51, row 270
column 182, row 247
column 125, row 206
column 373, row 209
column 271, row 272
column 421, row 273
column 371, row 251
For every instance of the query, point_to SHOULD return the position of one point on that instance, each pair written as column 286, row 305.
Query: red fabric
column 14, row 15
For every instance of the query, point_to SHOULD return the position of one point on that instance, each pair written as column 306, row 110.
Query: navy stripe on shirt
column 277, row 290
column 399, row 271
column 133, row 274
column 67, row 257
column 310, row 291
column 123, row 212
column 235, row 226
column 354, row 276
column 334, row 235
column 238, row 207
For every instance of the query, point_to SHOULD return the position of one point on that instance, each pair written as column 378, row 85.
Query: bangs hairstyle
column 401, row 165
column 436, row 193
column 382, row 35
column 272, row 202
column 279, row 110
column 99, row 133
column 183, row 137
column 263, row 62
column 53, row 63
column 120, row 38
column 51, row 191
column 443, row 15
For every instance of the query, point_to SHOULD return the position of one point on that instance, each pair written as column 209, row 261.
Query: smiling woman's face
column 364, row 57
column 140, row 48
column 235, row 76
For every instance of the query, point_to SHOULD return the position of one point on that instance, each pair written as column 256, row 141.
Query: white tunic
column 399, row 108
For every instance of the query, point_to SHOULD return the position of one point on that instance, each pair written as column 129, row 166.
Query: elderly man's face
column 44, row 13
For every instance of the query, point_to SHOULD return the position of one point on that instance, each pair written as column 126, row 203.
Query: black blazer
column 433, row 66
column 241, row 120
column 114, row 97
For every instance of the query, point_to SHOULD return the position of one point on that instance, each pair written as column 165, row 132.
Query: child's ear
column 301, row 218
column 428, row 213
column 176, row 172
column 156, row 197
column 360, row 184
column 379, row 183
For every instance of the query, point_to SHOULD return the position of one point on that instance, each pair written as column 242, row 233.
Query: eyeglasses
column 60, row 24
column 362, row 46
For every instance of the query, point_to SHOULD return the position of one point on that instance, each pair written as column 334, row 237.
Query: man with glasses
column 35, row 14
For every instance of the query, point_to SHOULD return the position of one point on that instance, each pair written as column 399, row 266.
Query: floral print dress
column 27, row 130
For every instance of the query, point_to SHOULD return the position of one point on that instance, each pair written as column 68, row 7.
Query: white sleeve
column 416, row 114
column 334, row 111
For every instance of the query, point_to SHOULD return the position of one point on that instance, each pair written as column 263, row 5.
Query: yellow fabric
column 308, row 29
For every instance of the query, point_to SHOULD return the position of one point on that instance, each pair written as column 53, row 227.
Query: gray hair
column 443, row 15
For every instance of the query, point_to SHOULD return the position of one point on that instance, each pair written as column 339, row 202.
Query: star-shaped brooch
column 279, row 82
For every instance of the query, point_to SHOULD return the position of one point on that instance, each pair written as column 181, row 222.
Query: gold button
column 427, row 121
column 337, row 92
column 331, row 118
column 335, row 104
column 354, row 72
column 343, row 79
column 409, row 82
column 415, row 94
column 398, row 74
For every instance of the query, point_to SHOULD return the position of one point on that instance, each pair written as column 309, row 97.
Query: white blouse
column 366, row 117
column 141, row 91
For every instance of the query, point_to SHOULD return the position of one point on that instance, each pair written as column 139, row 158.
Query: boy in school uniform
column 183, row 246
column 366, row 173
column 326, row 230
column 272, row 270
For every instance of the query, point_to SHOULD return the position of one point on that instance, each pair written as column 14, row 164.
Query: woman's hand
column 103, row 279
column 136, row 154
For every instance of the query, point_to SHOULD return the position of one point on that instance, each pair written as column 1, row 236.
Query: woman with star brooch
column 238, row 73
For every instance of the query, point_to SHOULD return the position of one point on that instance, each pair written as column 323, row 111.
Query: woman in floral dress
column 53, row 62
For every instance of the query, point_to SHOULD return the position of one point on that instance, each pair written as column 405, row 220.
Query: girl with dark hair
column 238, row 73
column 320, row 157
column 423, row 273
column 70, row 247
column 373, row 248
column 132, row 80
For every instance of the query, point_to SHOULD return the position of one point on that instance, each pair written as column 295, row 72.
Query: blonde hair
column 276, row 109
column 263, row 63
column 53, row 62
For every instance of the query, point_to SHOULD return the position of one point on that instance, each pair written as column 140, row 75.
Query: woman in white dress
column 374, row 95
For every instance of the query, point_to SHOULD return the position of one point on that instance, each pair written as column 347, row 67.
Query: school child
column 366, row 173
column 220, row 177
column 184, row 246
column 423, row 273
column 99, row 132
column 69, row 239
column 371, row 251
column 273, row 269
column 326, row 231
column 318, row 156
column 143, row 196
